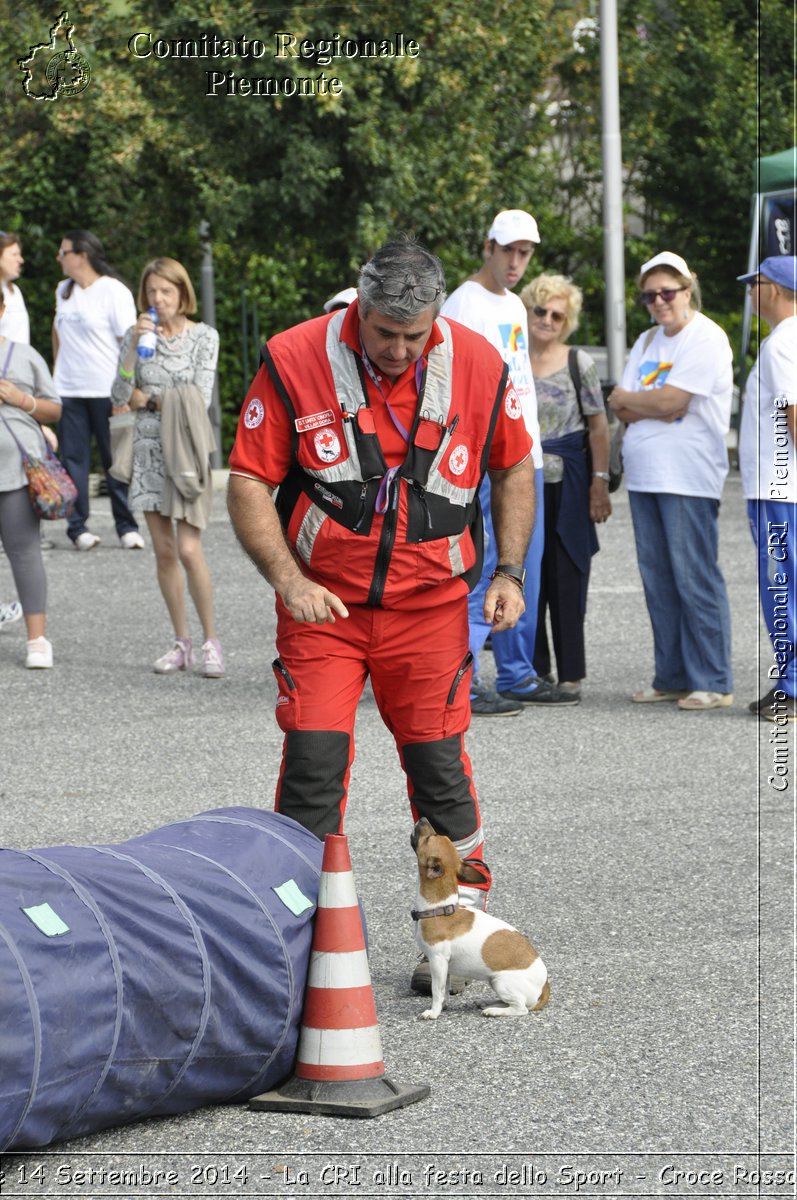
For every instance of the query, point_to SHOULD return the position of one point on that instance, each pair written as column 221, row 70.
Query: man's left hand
column 504, row 604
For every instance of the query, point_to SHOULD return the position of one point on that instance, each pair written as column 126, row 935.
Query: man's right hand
column 258, row 529
column 503, row 604
column 308, row 601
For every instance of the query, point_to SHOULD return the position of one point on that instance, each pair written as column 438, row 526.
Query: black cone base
column 339, row 1098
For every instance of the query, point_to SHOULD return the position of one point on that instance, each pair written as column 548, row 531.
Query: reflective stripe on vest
column 349, row 395
column 313, row 519
column 436, row 405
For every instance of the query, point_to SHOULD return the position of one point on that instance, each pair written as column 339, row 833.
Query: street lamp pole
column 613, row 226
column 208, row 303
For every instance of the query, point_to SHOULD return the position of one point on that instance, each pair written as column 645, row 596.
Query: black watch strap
column 512, row 572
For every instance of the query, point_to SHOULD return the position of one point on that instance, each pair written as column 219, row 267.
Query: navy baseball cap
column 780, row 268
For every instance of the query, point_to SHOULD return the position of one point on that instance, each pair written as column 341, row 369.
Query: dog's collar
column 444, row 910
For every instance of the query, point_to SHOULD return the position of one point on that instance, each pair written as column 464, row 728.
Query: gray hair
column 400, row 267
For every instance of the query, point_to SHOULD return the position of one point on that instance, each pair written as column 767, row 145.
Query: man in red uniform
column 377, row 424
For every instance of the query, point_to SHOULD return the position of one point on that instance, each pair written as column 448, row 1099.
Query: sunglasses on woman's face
column 667, row 295
column 541, row 312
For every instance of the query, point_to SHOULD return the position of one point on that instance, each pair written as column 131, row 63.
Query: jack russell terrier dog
column 467, row 940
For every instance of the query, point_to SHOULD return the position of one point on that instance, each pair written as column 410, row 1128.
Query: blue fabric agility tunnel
column 154, row 976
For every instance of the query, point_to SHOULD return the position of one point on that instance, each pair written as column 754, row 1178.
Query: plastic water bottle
column 149, row 340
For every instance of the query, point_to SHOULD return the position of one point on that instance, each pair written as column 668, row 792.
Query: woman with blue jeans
column 676, row 399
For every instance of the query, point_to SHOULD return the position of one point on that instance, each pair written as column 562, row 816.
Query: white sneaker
column 132, row 540
column 212, row 659
column 179, row 658
column 86, row 541
column 40, row 654
column 10, row 612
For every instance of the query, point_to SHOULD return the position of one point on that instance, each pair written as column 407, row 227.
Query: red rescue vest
column 430, row 531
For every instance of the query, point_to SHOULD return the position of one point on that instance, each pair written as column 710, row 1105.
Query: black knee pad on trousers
column 441, row 790
column 311, row 789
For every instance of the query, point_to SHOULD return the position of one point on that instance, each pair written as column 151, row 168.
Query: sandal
column 652, row 695
column 703, row 701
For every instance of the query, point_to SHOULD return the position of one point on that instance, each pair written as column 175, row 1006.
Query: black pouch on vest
column 372, row 463
column 425, row 443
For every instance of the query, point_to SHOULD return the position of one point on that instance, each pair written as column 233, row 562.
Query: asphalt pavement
column 647, row 852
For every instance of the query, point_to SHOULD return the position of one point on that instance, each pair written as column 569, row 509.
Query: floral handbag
column 51, row 488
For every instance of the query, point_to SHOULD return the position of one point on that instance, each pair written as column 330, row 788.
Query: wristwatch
column 601, row 475
column 152, row 404
column 518, row 574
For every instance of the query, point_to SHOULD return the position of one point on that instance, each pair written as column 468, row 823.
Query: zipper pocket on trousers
column 464, row 667
column 279, row 668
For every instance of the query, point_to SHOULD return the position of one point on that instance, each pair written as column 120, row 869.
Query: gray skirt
column 150, row 489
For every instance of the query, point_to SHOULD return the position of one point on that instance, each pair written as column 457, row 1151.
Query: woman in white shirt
column 14, row 322
column 676, row 398
column 93, row 309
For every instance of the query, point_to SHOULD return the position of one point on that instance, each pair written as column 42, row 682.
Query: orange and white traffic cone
column 339, row 1068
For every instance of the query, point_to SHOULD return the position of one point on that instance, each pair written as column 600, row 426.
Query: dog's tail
column 545, row 996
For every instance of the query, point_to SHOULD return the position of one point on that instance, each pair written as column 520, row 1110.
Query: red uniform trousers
column 420, row 669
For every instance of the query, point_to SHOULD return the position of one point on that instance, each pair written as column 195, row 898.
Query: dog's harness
column 444, row 910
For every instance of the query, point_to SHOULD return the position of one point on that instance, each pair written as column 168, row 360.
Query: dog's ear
column 434, row 868
column 469, row 874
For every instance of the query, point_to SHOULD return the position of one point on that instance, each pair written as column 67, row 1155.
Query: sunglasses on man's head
column 423, row 293
column 667, row 295
column 541, row 312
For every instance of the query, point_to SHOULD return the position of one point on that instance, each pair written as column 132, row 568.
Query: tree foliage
column 501, row 108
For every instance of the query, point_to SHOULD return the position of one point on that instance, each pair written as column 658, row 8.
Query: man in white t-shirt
column 486, row 304
column 768, row 465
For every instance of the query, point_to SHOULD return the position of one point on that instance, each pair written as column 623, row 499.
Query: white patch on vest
column 458, row 459
column 254, row 414
column 514, row 409
column 314, row 421
column 327, row 445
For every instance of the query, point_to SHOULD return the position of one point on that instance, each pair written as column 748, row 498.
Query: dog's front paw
column 430, row 1014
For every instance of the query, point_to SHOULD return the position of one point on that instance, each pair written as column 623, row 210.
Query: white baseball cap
column 341, row 299
column 514, row 225
column 666, row 259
